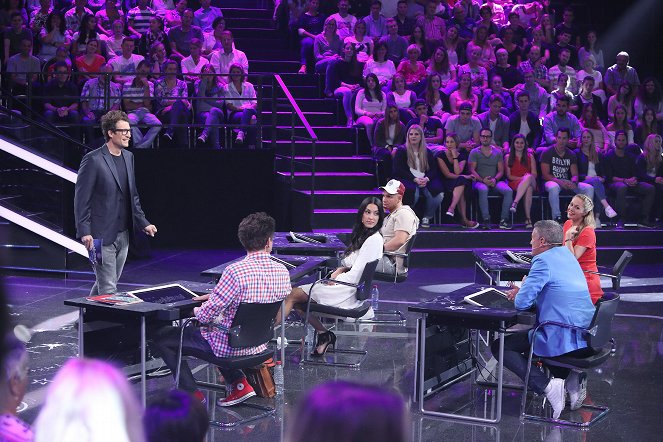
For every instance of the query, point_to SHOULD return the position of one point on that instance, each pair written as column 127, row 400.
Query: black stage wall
column 197, row 198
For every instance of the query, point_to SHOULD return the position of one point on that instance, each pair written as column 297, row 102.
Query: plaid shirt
column 255, row 279
column 540, row 71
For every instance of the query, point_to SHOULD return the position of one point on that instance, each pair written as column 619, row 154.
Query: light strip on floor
column 42, row 231
column 38, row 161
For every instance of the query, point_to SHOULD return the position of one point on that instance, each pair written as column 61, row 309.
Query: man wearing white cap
column 398, row 227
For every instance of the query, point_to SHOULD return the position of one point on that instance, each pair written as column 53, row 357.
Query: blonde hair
column 422, row 153
column 652, row 157
column 592, row 155
column 91, row 401
column 588, row 215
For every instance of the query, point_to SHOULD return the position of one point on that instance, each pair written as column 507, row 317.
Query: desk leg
column 421, row 361
column 143, row 362
column 81, row 332
column 500, row 372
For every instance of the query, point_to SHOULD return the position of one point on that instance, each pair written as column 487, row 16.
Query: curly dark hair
column 255, row 230
column 109, row 121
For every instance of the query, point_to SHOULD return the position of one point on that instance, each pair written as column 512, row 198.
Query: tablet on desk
column 164, row 294
column 304, row 239
column 489, row 297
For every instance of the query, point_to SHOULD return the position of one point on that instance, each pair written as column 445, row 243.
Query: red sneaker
column 200, row 396
column 238, row 392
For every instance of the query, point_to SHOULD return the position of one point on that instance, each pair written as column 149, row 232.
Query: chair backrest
column 602, row 320
column 408, row 249
column 619, row 267
column 253, row 324
column 366, row 281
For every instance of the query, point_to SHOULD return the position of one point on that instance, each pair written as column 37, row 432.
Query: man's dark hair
column 564, row 129
column 60, row 64
column 175, row 416
column 565, row 99
column 376, row 2
column 565, row 49
column 486, row 129
column 621, row 132
column 522, row 94
column 401, row 1
column 216, row 22
column 110, row 119
column 255, row 230
column 420, row 102
column 126, row 39
column 496, row 97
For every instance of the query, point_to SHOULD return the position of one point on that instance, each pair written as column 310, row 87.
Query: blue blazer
column 557, row 287
column 96, row 202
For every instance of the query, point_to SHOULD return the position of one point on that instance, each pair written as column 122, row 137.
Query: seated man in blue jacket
column 556, row 286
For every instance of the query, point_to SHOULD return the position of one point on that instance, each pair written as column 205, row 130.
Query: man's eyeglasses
column 122, row 131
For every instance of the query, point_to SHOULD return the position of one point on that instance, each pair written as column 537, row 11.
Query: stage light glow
column 38, row 161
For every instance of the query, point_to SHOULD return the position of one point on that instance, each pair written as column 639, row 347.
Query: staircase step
column 333, row 218
column 257, row 52
column 341, row 199
column 328, row 164
column 243, row 4
column 326, row 133
column 314, row 118
column 305, row 104
column 297, row 92
column 237, row 23
column 230, row 13
column 332, row 180
column 257, row 32
column 277, row 66
column 303, row 148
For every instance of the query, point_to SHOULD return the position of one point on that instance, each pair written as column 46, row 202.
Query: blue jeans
column 178, row 114
column 345, row 94
column 211, row 119
column 243, row 118
column 599, row 191
column 306, row 52
column 502, row 188
column 554, row 190
column 142, row 115
column 113, row 257
column 166, row 345
column 432, row 202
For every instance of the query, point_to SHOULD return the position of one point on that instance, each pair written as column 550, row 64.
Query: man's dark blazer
column 534, row 136
column 97, row 198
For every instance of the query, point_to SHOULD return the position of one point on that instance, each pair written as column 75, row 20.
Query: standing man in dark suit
column 106, row 203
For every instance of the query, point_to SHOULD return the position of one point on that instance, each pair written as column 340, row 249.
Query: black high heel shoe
column 325, row 340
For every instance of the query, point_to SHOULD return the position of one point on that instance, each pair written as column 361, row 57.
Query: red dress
column 587, row 260
column 518, row 171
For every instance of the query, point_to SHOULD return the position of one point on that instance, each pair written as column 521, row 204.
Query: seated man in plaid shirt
column 255, row 279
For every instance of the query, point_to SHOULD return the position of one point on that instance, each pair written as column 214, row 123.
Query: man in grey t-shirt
column 487, row 168
column 465, row 126
column 20, row 63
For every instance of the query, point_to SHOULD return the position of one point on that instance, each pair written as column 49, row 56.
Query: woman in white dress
column 366, row 245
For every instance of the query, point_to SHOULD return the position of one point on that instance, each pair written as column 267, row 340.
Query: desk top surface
column 329, row 244
column 305, row 265
column 497, row 260
column 452, row 305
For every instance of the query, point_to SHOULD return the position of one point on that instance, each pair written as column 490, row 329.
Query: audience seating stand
column 598, row 336
column 363, row 293
column 253, row 325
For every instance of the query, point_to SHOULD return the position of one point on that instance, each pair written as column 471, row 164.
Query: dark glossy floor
column 629, row 382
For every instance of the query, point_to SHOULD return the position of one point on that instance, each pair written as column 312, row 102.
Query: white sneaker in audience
column 555, row 394
column 576, row 385
column 240, row 137
column 610, row 212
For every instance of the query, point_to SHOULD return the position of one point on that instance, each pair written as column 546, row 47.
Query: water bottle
column 309, row 335
column 375, row 297
column 278, row 377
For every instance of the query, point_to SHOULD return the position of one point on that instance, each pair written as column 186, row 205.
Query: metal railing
column 295, row 113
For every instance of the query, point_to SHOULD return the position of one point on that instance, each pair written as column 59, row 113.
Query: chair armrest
column 399, row 254
column 591, row 331
column 220, row 327
column 601, row 274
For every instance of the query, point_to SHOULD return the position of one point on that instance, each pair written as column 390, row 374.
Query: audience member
column 554, row 280
column 560, row 90
column 561, row 117
column 398, row 228
column 590, row 47
column 205, row 16
column 154, row 34
column 538, row 97
column 622, row 176
column 107, row 16
column 486, row 20
column 39, row 16
column 465, row 126
column 344, row 78
column 454, row 47
column 496, row 90
column 513, row 49
column 86, row 32
column 650, row 170
column 591, row 170
column 90, row 62
column 619, row 73
column 345, row 22
column 13, row 383
column 174, row 416
column 403, row 98
column 404, row 22
column 412, row 70
column 620, row 122
column 379, row 65
column 519, row 33
column 389, row 132
column 509, row 75
column 376, row 23
column 54, row 34
column 487, row 58
column 589, row 71
column 580, row 239
column 157, row 57
column 548, row 29
column 18, row 67
column 525, row 122
column 452, row 161
column 172, row 99
column 74, row 16
column 89, row 400
column 536, row 64
column 227, row 56
column 498, row 123
column 212, row 40
column 487, row 167
column 173, row 17
column 563, row 44
column 649, row 96
column 362, row 42
column 60, row 104
column 138, row 18
column 180, row 36
column 431, row 127
column 240, row 99
column 114, row 42
column 623, row 97
column 520, row 172
column 326, row 46
column 61, row 55
column 464, row 94
column 14, row 35
column 589, row 121
column 462, row 22
column 433, row 26
column 478, row 73
column 439, row 64
column 99, row 96
column 370, row 105
column 137, row 101
column 434, row 99
column 646, row 125
column 563, row 68
column 209, row 106
column 587, row 96
column 568, row 26
column 309, row 25
column 559, row 170
column 395, row 44
column 193, row 64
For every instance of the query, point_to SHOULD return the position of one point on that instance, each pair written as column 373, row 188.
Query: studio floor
column 629, row 382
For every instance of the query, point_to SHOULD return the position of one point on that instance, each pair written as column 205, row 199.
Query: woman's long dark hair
column 378, row 90
column 83, row 32
column 361, row 233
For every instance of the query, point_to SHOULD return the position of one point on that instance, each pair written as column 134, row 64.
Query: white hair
column 15, row 363
column 89, row 401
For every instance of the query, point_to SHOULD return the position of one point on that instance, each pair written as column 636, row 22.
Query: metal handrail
column 312, row 137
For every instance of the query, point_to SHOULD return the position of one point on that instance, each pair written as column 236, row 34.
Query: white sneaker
column 597, row 221
column 610, row 212
column 556, row 396
column 240, row 137
column 576, row 386
column 425, row 223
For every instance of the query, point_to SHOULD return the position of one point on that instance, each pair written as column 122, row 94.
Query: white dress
column 343, row 296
